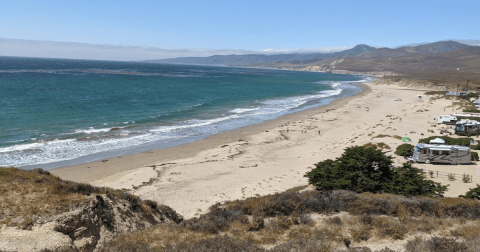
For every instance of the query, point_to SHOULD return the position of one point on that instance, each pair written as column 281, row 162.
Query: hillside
column 298, row 59
column 249, row 59
column 432, row 48
column 448, row 68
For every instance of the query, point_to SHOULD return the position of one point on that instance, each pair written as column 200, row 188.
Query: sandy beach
column 273, row 156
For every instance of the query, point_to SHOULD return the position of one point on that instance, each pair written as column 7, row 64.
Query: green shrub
column 474, row 193
column 359, row 169
column 404, row 150
column 465, row 141
column 435, row 93
column 471, row 95
column 474, row 156
column 471, row 110
column 362, row 169
column 409, row 181
column 468, row 118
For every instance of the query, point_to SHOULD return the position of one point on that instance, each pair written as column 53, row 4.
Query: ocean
column 57, row 112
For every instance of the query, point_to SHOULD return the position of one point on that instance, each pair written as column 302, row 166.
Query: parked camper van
column 435, row 153
column 447, row 119
column 467, row 127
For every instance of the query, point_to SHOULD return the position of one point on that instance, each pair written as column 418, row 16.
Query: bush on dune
column 404, row 150
column 408, row 180
column 362, row 169
column 473, row 193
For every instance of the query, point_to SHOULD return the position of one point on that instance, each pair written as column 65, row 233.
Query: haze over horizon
column 123, row 30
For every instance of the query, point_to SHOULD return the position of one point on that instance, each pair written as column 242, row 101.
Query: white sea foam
column 92, row 130
column 243, row 110
column 192, row 124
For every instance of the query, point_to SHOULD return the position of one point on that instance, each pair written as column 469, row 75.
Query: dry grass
column 380, row 136
column 27, row 195
column 380, row 145
column 397, row 137
column 282, row 222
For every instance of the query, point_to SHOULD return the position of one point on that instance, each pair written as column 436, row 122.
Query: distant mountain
column 250, row 59
column 448, row 68
column 467, row 60
column 295, row 59
column 367, row 52
column 431, row 48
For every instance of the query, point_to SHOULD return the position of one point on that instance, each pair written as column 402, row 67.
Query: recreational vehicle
column 466, row 127
column 447, row 119
column 435, row 153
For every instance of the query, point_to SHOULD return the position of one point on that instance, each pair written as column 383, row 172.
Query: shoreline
column 273, row 156
column 91, row 171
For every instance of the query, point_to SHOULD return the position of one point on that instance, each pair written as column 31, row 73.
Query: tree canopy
column 362, row 169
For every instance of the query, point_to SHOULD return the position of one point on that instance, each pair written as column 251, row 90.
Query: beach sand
column 274, row 156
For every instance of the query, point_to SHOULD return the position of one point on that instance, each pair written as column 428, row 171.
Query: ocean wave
column 92, row 130
column 243, row 110
column 192, row 124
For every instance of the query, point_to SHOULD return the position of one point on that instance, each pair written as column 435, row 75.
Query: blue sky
column 240, row 24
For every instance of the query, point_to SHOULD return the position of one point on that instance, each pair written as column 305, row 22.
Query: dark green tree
column 408, row 180
column 362, row 169
column 474, row 193
column 359, row 169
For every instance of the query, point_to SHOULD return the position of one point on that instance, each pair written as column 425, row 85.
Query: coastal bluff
column 100, row 215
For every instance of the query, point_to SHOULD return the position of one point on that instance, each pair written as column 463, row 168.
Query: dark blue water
column 55, row 110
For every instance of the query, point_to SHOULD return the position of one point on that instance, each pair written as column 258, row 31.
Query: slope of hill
column 431, row 48
column 249, row 59
column 447, row 69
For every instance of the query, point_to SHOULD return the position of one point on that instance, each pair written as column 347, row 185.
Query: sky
column 240, row 24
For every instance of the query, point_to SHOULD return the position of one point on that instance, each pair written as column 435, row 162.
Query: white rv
column 466, row 127
column 437, row 153
column 447, row 119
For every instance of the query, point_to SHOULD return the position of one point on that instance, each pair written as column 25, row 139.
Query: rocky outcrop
column 89, row 226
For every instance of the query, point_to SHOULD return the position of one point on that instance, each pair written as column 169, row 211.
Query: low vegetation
column 316, row 221
column 404, row 150
column 468, row 118
column 473, row 193
column 435, row 93
column 27, row 195
column 474, row 156
column 381, row 145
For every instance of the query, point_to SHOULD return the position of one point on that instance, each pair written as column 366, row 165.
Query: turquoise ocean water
column 57, row 112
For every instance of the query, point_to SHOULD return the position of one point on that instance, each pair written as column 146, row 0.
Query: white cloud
column 49, row 49
column 308, row 50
